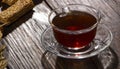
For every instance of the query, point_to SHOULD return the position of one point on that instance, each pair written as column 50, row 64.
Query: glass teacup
column 76, row 32
column 74, row 26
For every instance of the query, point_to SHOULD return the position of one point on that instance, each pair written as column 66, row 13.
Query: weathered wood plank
column 24, row 41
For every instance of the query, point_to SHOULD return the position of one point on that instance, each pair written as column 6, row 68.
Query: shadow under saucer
column 105, row 60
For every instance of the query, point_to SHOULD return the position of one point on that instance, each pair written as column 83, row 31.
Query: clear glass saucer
column 101, row 41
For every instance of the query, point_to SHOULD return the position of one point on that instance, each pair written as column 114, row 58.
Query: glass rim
column 98, row 19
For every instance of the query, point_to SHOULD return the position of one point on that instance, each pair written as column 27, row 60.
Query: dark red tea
column 74, row 21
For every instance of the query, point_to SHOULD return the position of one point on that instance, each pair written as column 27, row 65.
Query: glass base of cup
column 68, row 50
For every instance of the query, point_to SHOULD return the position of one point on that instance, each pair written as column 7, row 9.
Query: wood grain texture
column 24, row 39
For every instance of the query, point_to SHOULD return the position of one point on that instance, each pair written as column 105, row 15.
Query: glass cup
column 76, row 32
column 74, row 26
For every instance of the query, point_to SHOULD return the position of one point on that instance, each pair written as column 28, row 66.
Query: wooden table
column 23, row 36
